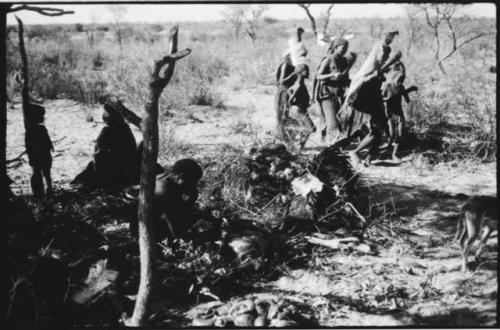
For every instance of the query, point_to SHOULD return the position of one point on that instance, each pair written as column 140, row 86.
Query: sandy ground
column 415, row 279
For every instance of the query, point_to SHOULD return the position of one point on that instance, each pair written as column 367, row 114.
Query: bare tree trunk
column 24, row 74
column 310, row 16
column 3, row 102
column 327, row 19
column 438, row 44
column 149, row 157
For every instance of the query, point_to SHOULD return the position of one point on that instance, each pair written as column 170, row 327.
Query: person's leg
column 281, row 107
column 322, row 121
column 398, row 137
column 365, row 142
column 390, row 126
column 305, row 124
column 374, row 145
column 371, row 141
column 48, row 179
column 331, row 107
column 37, row 182
column 308, row 127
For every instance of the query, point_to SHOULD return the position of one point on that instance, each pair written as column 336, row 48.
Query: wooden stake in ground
column 24, row 74
column 149, row 157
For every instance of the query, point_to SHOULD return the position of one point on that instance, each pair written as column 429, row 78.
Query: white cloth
column 373, row 62
column 298, row 51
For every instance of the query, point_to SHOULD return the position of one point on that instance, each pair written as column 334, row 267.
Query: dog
column 477, row 212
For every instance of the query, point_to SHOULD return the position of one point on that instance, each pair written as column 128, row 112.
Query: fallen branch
column 18, row 158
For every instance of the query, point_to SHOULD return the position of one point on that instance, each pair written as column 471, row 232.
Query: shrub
column 270, row 20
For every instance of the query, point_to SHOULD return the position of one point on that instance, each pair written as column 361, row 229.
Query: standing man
column 332, row 82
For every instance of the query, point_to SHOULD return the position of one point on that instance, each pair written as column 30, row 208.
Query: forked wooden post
column 149, row 125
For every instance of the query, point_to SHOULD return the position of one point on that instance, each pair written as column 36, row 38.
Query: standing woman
column 363, row 109
column 285, row 78
column 299, row 103
column 333, row 80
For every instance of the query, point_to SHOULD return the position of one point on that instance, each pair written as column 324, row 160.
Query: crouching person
column 299, row 103
column 39, row 149
column 176, row 193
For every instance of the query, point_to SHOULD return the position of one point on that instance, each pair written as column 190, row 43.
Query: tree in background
column 457, row 31
column 118, row 12
column 91, row 27
column 412, row 25
column 324, row 18
column 252, row 21
column 235, row 16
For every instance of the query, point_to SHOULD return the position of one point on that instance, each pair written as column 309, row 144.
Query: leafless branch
column 306, row 6
column 47, row 11
column 167, row 64
column 463, row 43
column 327, row 18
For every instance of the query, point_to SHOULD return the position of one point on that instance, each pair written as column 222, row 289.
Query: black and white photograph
column 249, row 164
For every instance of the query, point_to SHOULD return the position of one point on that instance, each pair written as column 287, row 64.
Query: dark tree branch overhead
column 47, row 11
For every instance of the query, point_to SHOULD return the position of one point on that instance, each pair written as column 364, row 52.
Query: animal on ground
column 477, row 212
column 176, row 192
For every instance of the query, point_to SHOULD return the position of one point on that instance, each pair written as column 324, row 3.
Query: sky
column 152, row 13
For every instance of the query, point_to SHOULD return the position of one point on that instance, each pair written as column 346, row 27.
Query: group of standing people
column 364, row 107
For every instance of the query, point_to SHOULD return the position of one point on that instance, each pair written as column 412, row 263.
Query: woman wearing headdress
column 331, row 81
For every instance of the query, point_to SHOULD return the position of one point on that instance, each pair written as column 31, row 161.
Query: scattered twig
column 18, row 158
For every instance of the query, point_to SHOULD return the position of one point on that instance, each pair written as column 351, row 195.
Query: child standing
column 39, row 149
column 393, row 91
